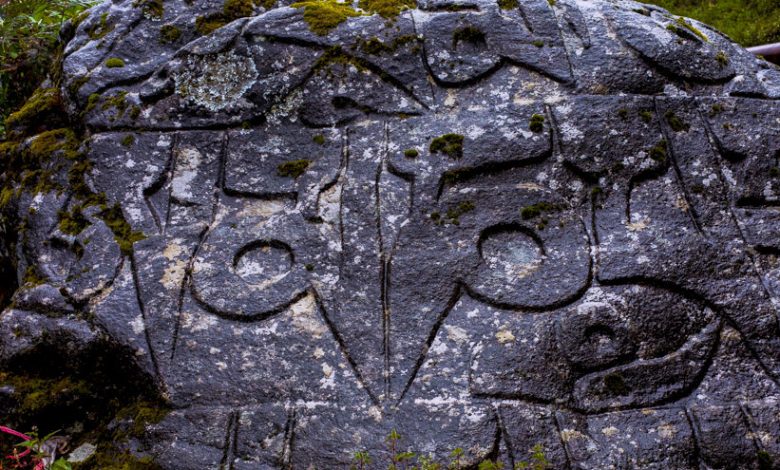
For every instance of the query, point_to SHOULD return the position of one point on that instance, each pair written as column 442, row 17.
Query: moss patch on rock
column 323, row 16
column 293, row 168
column 448, row 144
column 169, row 34
column 207, row 24
column 536, row 124
column 115, row 62
column 42, row 101
column 388, row 9
column 123, row 232
column 100, row 29
column 234, row 9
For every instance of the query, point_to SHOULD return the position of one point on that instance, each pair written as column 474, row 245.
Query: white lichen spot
column 569, row 434
column 457, row 334
column 137, row 325
column 610, row 431
column 216, row 82
column 188, row 160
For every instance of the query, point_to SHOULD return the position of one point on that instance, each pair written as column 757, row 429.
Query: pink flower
column 21, row 436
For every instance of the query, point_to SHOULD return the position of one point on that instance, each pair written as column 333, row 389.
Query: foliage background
column 28, row 45
column 748, row 22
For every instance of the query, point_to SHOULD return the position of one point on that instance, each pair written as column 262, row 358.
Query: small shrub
column 29, row 46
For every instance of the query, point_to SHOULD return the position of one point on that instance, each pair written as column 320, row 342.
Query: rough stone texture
column 601, row 278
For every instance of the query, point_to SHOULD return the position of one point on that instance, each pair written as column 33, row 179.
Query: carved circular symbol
column 511, row 251
column 263, row 261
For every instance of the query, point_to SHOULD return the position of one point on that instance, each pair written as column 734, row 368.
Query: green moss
column 234, row 9
column 722, row 59
column 646, row 115
column 774, row 172
column 111, row 452
column 135, row 112
column 623, row 113
column 92, row 101
column 115, row 62
column 508, row 4
column 615, row 384
column 551, row 2
column 374, row 46
column 38, row 394
column 116, row 101
column 151, row 8
column 309, row 267
column 411, row 153
column 535, row 210
column 128, row 140
column 389, row 9
column 110, row 457
column 31, row 277
column 78, row 19
column 143, row 414
column 683, row 28
column 319, row 139
column 324, row 15
column 716, row 109
column 596, row 190
column 124, row 234
column 536, row 124
column 46, row 143
column 765, row 461
column 77, row 83
column 538, row 43
column 676, row 123
column 469, row 34
column 74, row 222
column 207, row 24
column 169, row 33
column 99, row 30
column 454, row 213
column 293, row 168
column 659, row 151
column 448, row 144
column 41, row 102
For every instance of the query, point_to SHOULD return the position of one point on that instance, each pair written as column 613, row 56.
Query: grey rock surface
column 562, row 230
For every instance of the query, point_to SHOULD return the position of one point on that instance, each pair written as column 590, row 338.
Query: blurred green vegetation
column 748, row 22
column 28, row 46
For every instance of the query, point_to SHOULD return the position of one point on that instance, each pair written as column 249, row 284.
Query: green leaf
column 61, row 464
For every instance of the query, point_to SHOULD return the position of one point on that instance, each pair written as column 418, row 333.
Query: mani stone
column 487, row 226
